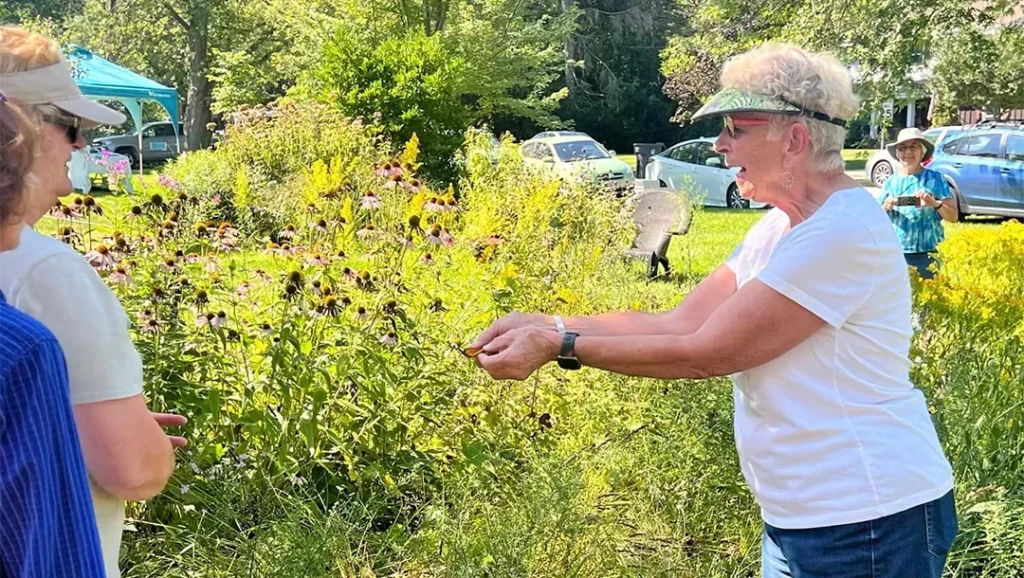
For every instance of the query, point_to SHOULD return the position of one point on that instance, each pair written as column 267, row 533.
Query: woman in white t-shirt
column 127, row 454
column 810, row 316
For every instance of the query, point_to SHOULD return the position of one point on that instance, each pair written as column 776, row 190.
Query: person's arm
column 42, row 465
column 823, row 272
column 754, row 326
column 941, row 199
column 683, row 319
column 757, row 325
column 126, row 450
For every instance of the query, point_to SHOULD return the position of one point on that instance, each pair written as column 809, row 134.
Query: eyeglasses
column 731, row 123
column 72, row 125
column 909, row 147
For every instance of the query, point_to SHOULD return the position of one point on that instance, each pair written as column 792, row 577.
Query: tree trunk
column 197, row 106
column 571, row 81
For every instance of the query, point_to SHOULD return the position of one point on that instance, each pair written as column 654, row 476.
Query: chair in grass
column 660, row 214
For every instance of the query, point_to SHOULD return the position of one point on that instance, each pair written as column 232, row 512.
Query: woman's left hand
column 928, row 200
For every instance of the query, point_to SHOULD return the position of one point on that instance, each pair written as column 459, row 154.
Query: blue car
column 985, row 169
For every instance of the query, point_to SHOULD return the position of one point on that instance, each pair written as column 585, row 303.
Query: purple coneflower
column 288, row 233
column 366, row 232
column 219, row 320
column 320, row 226
column 427, row 259
column 446, row 238
column 361, row 314
column 389, row 339
column 100, row 258
column 119, row 276
column 370, row 201
column 151, row 326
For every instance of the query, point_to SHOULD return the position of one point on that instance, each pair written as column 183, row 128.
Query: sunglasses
column 72, row 125
column 731, row 123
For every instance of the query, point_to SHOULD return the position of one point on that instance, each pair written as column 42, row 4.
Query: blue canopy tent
column 101, row 79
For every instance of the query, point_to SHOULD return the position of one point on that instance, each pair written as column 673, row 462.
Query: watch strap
column 559, row 324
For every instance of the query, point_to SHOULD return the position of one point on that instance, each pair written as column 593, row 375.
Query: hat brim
column 731, row 101
column 92, row 113
column 929, row 148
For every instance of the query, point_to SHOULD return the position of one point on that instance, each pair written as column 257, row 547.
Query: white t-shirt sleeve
column 65, row 294
column 828, row 266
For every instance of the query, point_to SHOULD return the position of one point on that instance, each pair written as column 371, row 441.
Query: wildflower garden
column 302, row 294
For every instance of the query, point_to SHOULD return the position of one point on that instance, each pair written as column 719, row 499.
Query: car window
column 684, row 153
column 950, row 147
column 1015, row 148
column 705, row 151
column 981, row 145
column 530, row 150
column 165, row 130
column 580, row 150
column 544, row 152
column 149, row 132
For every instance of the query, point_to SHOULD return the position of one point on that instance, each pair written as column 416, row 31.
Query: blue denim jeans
column 921, row 262
column 909, row 544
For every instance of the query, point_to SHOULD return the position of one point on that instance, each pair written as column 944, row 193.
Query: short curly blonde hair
column 21, row 50
column 815, row 81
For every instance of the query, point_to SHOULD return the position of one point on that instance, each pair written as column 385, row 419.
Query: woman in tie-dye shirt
column 917, row 201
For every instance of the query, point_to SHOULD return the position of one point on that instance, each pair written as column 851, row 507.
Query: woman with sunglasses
column 40, row 458
column 917, row 201
column 127, row 454
column 811, row 317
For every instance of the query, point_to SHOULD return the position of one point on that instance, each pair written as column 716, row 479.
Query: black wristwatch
column 567, row 356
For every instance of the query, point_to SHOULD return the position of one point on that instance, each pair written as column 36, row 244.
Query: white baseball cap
column 53, row 85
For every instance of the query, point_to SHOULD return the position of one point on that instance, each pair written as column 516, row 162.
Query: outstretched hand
column 510, row 322
column 517, row 353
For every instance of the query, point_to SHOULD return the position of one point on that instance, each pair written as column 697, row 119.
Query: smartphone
column 907, row 201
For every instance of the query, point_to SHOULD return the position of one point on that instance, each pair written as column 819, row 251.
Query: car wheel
column 881, row 173
column 133, row 158
column 733, row 199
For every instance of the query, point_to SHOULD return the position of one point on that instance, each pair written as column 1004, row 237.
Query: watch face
column 569, row 363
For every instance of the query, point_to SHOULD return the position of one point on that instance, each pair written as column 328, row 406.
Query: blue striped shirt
column 47, row 525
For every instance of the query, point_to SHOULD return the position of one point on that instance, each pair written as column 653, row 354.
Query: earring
column 788, row 180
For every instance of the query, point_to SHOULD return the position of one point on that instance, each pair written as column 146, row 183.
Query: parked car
column 579, row 156
column 557, row 133
column 881, row 165
column 693, row 166
column 158, row 143
column 985, row 170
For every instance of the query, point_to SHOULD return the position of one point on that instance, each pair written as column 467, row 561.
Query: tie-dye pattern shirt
column 919, row 229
